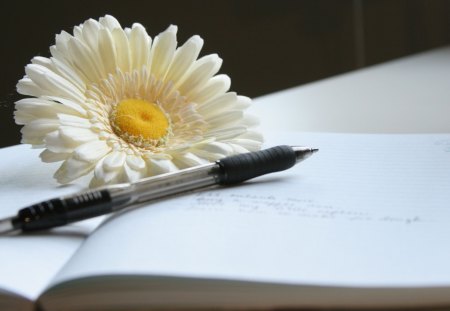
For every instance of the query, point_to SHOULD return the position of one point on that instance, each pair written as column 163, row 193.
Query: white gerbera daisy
column 114, row 104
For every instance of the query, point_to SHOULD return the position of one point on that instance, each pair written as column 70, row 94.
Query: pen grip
column 245, row 166
column 61, row 211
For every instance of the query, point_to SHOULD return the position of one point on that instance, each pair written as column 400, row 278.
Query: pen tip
column 302, row 153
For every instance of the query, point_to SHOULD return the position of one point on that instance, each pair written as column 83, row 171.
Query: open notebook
column 365, row 222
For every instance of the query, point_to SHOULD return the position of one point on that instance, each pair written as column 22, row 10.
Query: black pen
column 227, row 171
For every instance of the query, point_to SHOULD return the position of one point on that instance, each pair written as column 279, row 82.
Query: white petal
column 91, row 151
column 52, row 83
column 58, row 54
column 23, row 117
column 250, row 145
column 90, row 33
column 103, row 177
column 29, row 109
column 61, row 41
column 251, row 140
column 35, row 131
column 140, row 43
column 78, row 32
column 133, row 175
column 226, row 133
column 159, row 166
column 218, row 148
column 217, row 105
column 48, row 156
column 55, row 143
column 86, row 60
column 253, row 135
column 188, row 160
column 114, row 161
column 64, row 57
column 216, row 86
column 71, row 120
column 109, row 22
column 239, row 149
column 107, row 50
column 69, row 73
column 73, row 107
column 243, row 102
column 136, row 163
column 183, row 59
column 43, row 61
column 227, row 118
column 77, row 135
column 202, row 70
column 162, row 51
column 122, row 49
column 209, row 156
column 26, row 86
column 72, row 169
column 250, row 120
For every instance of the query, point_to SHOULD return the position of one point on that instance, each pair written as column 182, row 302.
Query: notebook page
column 29, row 262
column 366, row 210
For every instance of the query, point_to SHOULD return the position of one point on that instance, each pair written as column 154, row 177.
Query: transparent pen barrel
column 168, row 184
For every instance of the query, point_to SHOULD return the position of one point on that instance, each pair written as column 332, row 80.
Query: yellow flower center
column 140, row 122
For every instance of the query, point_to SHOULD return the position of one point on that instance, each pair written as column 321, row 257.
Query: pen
column 227, row 171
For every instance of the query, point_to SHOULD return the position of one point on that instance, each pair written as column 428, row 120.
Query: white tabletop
column 407, row 95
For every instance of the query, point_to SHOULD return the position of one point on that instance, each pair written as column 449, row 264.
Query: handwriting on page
column 258, row 204
column 444, row 143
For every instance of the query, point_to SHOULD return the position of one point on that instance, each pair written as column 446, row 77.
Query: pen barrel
column 61, row 211
column 174, row 183
column 238, row 168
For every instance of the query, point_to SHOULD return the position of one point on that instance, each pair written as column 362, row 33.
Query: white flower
column 113, row 103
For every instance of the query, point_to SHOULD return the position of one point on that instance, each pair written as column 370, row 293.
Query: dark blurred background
column 266, row 45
